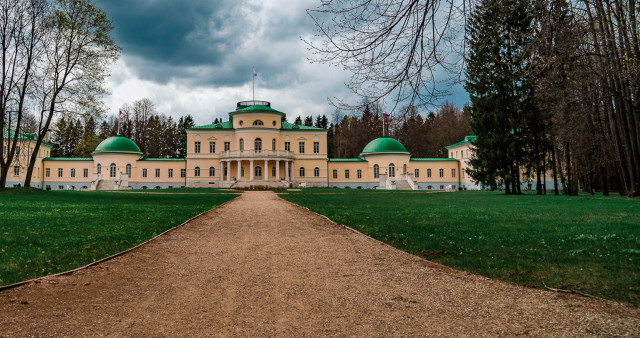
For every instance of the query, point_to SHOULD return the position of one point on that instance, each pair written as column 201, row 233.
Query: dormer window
column 258, row 123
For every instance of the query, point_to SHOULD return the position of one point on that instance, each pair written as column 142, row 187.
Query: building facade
column 255, row 147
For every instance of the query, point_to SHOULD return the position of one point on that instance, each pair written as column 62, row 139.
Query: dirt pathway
column 262, row 266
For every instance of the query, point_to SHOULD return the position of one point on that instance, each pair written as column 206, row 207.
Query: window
column 287, row 146
column 416, row 173
column 451, row 155
column 241, row 144
column 170, row 173
column 212, row 147
column 61, row 187
column 258, row 145
column 392, row 170
column 212, row 171
column 335, row 173
column 359, row 173
column 183, row 172
column 404, row 169
column 316, row 172
column 453, row 173
column 197, row 172
column 428, row 172
column 157, row 172
column 48, row 187
column 112, row 170
column 441, row 172
column 258, row 171
column 301, row 147
column 273, row 144
column 59, row 172
column 99, row 168
column 258, row 123
column 16, row 171
column 301, row 171
column 429, row 187
column 128, row 170
column 316, row 147
column 346, row 173
column 17, row 150
column 442, row 187
column 144, row 172
column 73, row 172
column 47, row 172
column 241, row 171
column 144, row 187
column 157, row 187
column 273, row 171
column 227, row 145
column 376, row 171
column 197, row 147
column 85, row 172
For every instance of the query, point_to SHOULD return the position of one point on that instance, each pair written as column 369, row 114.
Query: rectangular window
column 170, row 173
column 144, row 172
column 301, row 147
column 451, row 155
column 441, row 172
column 73, row 172
column 47, row 172
column 287, row 146
column 453, row 173
column 59, row 172
column 316, row 147
column 428, row 172
column 359, row 173
column 335, row 173
column 227, row 146
column 85, row 173
column 157, row 172
column 17, row 150
column 16, row 171
column 416, row 173
column 197, row 147
column 346, row 173
column 212, row 147
column 61, row 187
column 183, row 173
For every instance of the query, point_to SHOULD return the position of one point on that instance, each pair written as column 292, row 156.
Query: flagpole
column 253, row 77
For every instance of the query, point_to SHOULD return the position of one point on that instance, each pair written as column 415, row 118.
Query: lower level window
column 16, row 171
column 335, row 173
column 301, row 171
column 416, row 173
column 359, row 173
column 346, row 173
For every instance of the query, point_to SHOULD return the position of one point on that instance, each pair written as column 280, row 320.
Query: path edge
column 108, row 258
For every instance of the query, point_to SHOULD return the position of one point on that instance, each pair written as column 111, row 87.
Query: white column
column 239, row 165
column 277, row 170
column 228, row 171
column 293, row 172
column 265, row 173
column 286, row 170
column 251, row 170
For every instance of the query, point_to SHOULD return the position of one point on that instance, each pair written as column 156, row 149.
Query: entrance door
column 258, row 173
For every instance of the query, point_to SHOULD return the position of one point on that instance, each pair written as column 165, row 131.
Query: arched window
column 376, row 171
column 258, row 145
column 258, row 123
column 258, row 171
column 197, row 172
column 392, row 170
column 129, row 170
column 212, row 171
column 99, row 169
column 301, row 171
column 112, row 170
column 404, row 169
column 273, row 144
column 241, row 144
column 316, row 172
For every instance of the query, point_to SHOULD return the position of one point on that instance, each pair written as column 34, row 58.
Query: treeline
column 156, row 135
column 555, row 86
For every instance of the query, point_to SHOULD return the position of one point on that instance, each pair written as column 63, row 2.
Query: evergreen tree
column 298, row 120
column 308, row 121
column 184, row 123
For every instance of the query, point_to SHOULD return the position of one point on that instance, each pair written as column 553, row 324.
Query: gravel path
column 261, row 266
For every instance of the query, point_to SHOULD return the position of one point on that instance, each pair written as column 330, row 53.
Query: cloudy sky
column 196, row 57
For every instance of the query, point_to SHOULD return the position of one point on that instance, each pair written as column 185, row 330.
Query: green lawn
column 586, row 243
column 44, row 232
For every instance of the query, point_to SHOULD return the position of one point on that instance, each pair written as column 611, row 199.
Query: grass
column 45, row 232
column 585, row 243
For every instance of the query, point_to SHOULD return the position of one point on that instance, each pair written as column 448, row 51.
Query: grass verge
column 585, row 243
column 45, row 232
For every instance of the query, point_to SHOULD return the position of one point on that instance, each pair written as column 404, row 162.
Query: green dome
column 385, row 145
column 118, row 144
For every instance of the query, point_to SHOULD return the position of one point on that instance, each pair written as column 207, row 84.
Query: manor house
column 254, row 147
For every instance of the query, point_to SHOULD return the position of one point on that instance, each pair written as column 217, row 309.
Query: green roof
column 117, row 144
column 291, row 126
column 467, row 139
column 385, row 145
column 161, row 159
column 255, row 108
column 433, row 159
column 346, row 160
column 67, row 159
column 221, row 125
column 10, row 134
